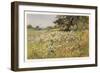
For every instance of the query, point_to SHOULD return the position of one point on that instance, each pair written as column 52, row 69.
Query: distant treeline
column 31, row 27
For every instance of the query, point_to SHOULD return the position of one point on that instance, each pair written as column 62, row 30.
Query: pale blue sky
column 41, row 20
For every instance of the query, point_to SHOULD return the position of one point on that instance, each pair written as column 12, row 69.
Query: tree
column 37, row 28
column 66, row 22
column 29, row 26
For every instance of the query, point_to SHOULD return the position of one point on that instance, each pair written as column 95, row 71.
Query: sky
column 41, row 20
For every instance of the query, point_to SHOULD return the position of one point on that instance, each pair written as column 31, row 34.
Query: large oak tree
column 68, row 23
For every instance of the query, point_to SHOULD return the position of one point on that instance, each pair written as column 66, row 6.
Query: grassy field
column 57, row 44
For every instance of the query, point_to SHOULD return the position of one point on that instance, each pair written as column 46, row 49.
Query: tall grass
column 57, row 44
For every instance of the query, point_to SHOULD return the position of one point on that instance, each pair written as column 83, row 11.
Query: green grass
column 57, row 44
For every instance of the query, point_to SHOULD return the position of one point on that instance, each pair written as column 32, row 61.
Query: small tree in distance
column 29, row 26
column 38, row 28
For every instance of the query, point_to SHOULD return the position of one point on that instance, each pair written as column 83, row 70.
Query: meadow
column 54, row 43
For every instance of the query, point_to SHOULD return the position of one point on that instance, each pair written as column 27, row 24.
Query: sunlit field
column 54, row 43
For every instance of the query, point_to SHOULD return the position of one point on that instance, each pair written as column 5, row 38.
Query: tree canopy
column 67, row 23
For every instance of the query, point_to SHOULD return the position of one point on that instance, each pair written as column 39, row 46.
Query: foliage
column 29, row 26
column 68, row 23
column 37, row 28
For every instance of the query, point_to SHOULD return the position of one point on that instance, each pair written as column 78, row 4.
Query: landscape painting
column 57, row 36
